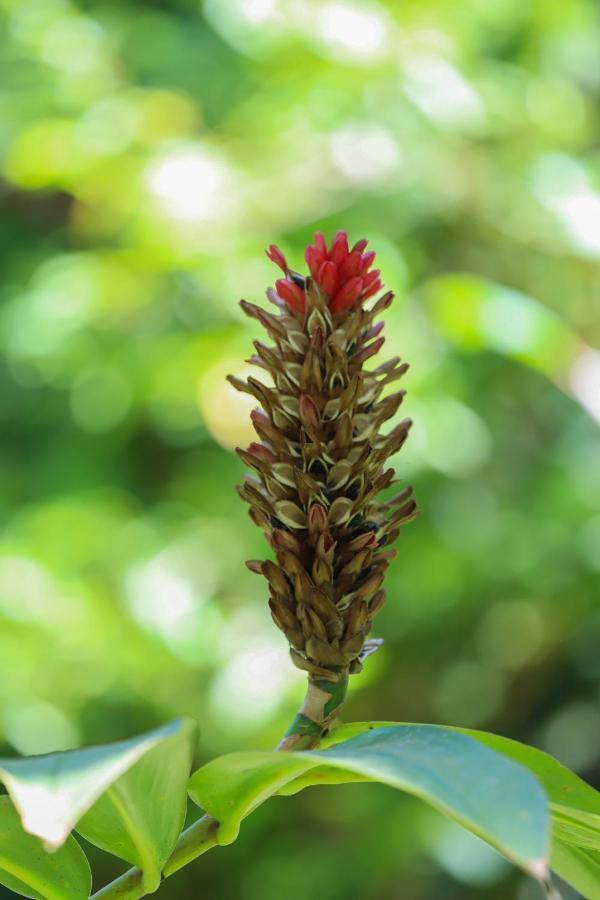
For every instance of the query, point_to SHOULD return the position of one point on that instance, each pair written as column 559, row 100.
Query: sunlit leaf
column 52, row 792
column 140, row 816
column 27, row 869
column 484, row 791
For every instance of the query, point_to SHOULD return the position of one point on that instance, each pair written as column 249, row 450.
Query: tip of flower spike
column 343, row 274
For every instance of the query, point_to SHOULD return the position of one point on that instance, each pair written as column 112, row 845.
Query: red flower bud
column 320, row 244
column 367, row 260
column 339, row 248
column 314, row 260
column 342, row 274
column 370, row 278
column 328, row 278
column 291, row 293
column 276, row 256
column 347, row 296
column 372, row 290
column 351, row 266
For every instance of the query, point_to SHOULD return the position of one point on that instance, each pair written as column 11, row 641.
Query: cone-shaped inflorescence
column 320, row 461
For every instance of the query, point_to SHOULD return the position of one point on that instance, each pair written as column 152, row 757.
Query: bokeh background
column 149, row 152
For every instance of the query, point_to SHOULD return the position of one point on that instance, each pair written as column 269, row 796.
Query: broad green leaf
column 27, row 869
column 574, row 804
column 578, row 866
column 487, row 793
column 575, row 830
column 140, row 816
column 52, row 792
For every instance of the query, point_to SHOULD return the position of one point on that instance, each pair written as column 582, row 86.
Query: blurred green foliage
column 150, row 151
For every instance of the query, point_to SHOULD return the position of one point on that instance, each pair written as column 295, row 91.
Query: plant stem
column 322, row 703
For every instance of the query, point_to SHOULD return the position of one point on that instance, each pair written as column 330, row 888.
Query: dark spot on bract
column 368, row 526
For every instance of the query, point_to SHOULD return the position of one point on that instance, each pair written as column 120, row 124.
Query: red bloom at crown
column 343, row 274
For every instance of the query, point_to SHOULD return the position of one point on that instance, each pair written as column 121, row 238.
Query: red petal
column 360, row 246
column 367, row 259
column 275, row 254
column 371, row 278
column 350, row 267
column 320, row 243
column 339, row 248
column 328, row 278
column 291, row 293
column 314, row 260
column 346, row 297
column 372, row 290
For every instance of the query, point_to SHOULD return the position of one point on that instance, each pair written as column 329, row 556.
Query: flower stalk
column 321, row 705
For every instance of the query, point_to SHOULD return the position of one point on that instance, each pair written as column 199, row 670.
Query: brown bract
column 318, row 468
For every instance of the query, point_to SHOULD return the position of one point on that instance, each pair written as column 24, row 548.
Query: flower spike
column 320, row 458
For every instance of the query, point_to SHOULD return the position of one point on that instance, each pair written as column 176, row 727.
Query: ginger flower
column 320, row 461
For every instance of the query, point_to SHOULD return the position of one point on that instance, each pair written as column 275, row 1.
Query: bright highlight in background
column 365, row 153
column 257, row 11
column 585, row 381
column 353, row 31
column 191, row 184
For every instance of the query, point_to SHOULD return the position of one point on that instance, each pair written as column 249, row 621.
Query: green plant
column 320, row 468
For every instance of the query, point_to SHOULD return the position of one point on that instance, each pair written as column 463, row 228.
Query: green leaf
column 27, row 869
column 487, row 793
column 52, row 792
column 577, row 866
column 140, row 816
column 575, row 805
